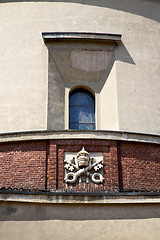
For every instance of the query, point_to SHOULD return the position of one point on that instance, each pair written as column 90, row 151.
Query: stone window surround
column 110, row 39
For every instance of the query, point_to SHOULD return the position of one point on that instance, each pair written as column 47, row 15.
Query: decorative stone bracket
column 83, row 167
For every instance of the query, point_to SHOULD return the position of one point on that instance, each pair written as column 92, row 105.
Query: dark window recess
column 81, row 110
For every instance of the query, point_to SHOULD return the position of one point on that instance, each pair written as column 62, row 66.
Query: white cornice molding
column 80, row 199
column 72, row 134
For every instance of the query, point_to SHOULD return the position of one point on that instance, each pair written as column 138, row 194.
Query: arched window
column 81, row 110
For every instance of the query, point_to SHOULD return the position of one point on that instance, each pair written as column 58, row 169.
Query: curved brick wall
column 38, row 165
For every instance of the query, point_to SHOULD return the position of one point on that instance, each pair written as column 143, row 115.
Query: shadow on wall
column 122, row 55
column 145, row 8
column 79, row 212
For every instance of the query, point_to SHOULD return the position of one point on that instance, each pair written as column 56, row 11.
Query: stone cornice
column 66, row 198
column 74, row 134
column 87, row 36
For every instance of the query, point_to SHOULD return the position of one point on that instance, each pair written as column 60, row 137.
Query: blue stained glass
column 82, row 126
column 81, row 110
column 82, row 114
column 81, row 98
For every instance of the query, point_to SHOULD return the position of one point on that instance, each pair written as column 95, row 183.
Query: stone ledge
column 74, row 134
column 52, row 198
column 105, row 37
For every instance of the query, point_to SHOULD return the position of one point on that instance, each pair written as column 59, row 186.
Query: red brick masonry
column 39, row 165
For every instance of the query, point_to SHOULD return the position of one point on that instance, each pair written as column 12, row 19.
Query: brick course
column 23, row 165
column 39, row 165
column 140, row 166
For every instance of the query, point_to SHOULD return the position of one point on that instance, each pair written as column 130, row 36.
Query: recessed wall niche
column 77, row 60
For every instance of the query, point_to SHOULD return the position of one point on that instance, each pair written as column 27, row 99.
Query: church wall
column 132, row 100
column 79, row 221
column 23, row 165
column 36, row 202
column 39, row 165
column 140, row 164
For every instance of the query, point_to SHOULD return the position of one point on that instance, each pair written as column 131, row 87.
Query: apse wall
column 129, row 98
column 57, row 183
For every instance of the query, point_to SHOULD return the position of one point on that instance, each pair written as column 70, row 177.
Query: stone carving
column 83, row 167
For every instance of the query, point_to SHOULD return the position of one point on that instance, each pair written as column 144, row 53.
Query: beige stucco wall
column 129, row 99
column 79, row 221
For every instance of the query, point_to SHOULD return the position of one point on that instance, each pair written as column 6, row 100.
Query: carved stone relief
column 83, row 167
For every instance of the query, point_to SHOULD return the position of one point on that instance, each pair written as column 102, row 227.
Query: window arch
column 81, row 110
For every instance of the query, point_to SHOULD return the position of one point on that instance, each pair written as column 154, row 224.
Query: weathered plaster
column 79, row 221
column 133, row 85
column 63, row 198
